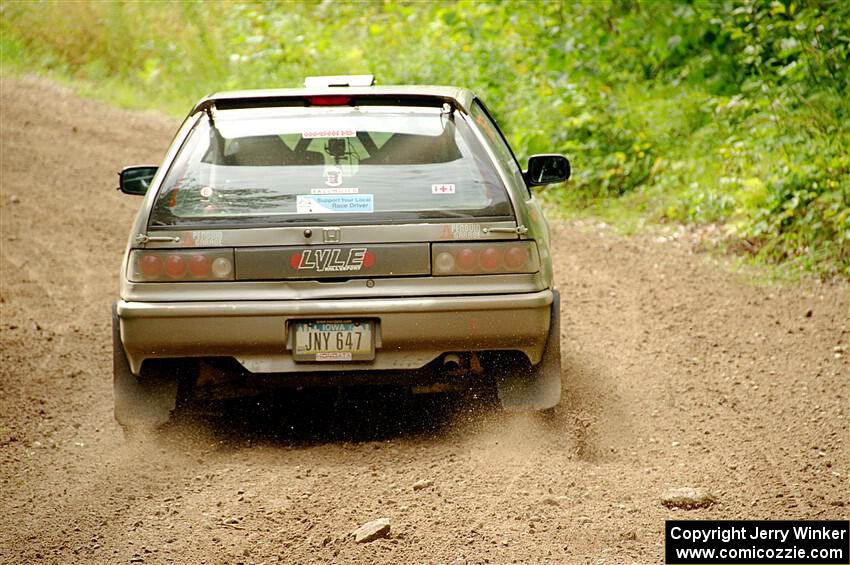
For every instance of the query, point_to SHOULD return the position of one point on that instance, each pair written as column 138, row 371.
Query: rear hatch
column 332, row 192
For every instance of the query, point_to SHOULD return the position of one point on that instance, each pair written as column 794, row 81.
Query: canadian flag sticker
column 442, row 189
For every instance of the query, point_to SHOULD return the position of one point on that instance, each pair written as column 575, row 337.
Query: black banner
column 744, row 542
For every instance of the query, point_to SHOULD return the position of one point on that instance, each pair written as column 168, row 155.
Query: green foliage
column 706, row 111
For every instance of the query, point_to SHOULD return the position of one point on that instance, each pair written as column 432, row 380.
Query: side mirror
column 546, row 169
column 136, row 180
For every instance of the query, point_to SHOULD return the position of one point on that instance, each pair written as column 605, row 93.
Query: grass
column 701, row 114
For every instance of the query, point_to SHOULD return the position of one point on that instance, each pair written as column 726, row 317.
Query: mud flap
column 140, row 404
column 538, row 387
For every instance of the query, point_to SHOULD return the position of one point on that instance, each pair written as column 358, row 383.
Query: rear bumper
column 411, row 332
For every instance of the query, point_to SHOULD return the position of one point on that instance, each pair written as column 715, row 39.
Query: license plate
column 333, row 340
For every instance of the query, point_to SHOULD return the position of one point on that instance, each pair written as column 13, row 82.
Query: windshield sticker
column 442, row 189
column 329, row 204
column 333, row 176
column 322, row 133
column 461, row 231
column 206, row 191
column 337, row 190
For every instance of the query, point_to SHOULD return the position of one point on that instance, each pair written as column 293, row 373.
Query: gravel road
column 677, row 373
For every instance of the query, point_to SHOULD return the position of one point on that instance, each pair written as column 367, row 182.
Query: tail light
column 175, row 266
column 199, row 265
column 484, row 258
column 180, row 265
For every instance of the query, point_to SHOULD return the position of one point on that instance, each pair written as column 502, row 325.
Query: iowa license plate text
column 333, row 340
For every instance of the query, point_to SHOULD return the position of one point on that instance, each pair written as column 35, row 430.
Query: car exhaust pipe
column 451, row 362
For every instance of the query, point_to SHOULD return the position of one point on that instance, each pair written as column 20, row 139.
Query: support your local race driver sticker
column 328, row 204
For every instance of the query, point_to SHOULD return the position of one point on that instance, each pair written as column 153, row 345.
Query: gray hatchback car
column 342, row 234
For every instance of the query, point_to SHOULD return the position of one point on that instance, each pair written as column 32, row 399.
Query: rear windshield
column 329, row 165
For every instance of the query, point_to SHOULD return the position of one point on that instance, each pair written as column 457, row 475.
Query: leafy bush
column 733, row 112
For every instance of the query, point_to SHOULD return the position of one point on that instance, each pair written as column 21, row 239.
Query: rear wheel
column 142, row 403
column 537, row 387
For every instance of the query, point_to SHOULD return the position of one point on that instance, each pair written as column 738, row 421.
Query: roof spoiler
column 339, row 80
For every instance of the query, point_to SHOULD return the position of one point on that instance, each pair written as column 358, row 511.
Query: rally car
column 334, row 235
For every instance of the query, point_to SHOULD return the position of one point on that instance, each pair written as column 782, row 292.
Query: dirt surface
column 676, row 374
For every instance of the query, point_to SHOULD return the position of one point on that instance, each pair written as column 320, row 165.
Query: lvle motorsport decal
column 742, row 542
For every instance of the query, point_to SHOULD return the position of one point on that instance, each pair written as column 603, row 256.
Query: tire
column 142, row 404
column 537, row 387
